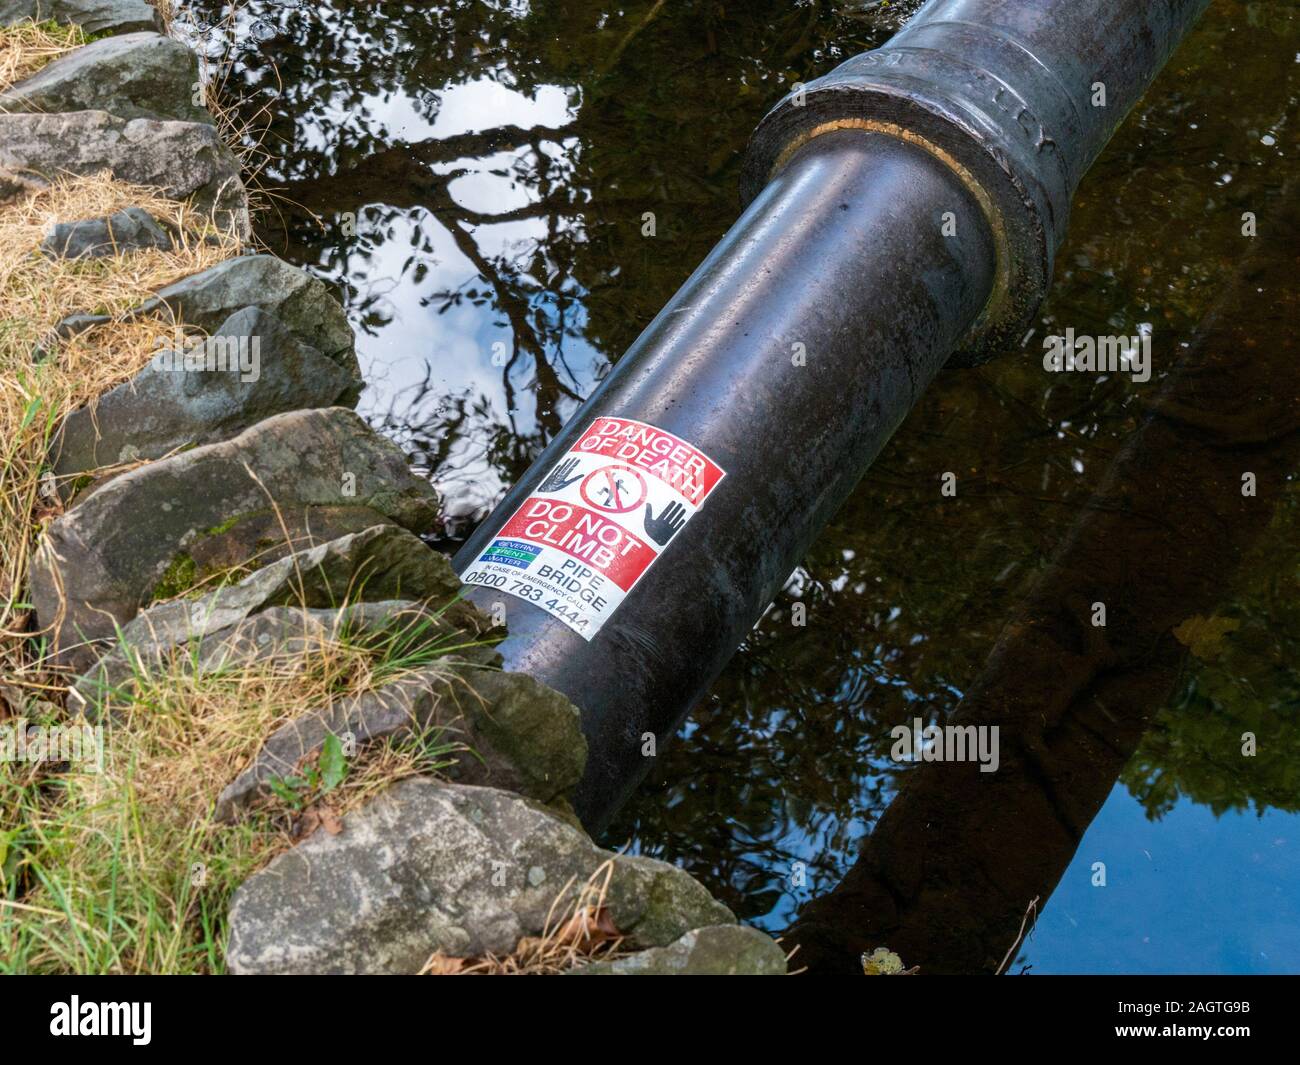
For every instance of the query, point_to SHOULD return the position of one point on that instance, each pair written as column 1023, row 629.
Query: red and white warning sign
column 598, row 520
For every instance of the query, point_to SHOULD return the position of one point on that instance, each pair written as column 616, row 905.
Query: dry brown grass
column 35, row 291
column 27, row 46
column 35, row 294
column 167, row 11
column 578, row 931
column 193, row 730
column 124, row 870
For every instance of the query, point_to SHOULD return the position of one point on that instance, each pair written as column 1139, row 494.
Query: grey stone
column 523, row 736
column 530, row 725
column 279, row 634
column 449, row 696
column 73, row 324
column 150, row 533
column 720, row 950
column 302, row 302
column 14, row 186
column 66, row 327
column 186, row 160
column 384, row 561
column 93, row 16
column 128, row 230
column 427, row 867
column 284, row 633
column 166, row 406
column 136, row 75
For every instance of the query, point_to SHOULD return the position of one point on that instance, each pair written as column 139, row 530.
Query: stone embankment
column 227, row 503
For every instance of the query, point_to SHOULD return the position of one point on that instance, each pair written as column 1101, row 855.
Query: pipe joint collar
column 1013, row 155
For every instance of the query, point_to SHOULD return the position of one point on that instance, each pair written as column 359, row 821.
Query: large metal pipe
column 906, row 204
column 1018, row 96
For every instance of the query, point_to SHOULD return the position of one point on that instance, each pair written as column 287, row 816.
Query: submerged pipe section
column 903, row 213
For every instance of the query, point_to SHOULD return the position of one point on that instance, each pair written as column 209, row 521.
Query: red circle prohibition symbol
column 606, row 489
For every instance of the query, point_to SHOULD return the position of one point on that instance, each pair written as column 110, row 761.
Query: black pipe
column 892, row 216
column 1018, row 96
column 719, row 368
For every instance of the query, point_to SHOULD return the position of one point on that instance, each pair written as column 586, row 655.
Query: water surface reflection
column 475, row 177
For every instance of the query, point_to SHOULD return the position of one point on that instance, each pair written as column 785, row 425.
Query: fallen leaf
column 317, row 816
column 530, row 947
column 329, row 820
column 588, row 927
column 443, row 965
column 1204, row 636
column 306, row 823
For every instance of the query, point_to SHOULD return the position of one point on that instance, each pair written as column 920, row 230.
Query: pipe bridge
column 901, row 215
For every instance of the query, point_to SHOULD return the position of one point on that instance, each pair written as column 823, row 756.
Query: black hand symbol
column 556, row 479
column 665, row 527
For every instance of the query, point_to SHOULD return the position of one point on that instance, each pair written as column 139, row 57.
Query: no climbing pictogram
column 616, row 489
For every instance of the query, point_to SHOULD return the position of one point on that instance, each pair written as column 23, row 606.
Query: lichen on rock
column 427, row 867
column 100, row 563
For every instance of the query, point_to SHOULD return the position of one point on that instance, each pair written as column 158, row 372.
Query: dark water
column 473, row 177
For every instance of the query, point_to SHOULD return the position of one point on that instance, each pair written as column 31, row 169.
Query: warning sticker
column 597, row 522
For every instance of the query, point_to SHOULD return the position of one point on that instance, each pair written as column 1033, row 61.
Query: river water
column 473, row 177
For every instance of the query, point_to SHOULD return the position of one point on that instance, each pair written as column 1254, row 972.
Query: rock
column 93, row 16
column 68, row 326
column 13, row 186
column 300, row 301
column 531, row 726
column 259, row 369
column 384, row 561
column 449, row 696
column 128, row 230
column 136, row 75
column 721, row 950
column 279, row 634
column 153, row 532
column 526, row 737
column 206, row 299
column 73, row 324
column 186, row 160
column 284, row 633
column 428, row 867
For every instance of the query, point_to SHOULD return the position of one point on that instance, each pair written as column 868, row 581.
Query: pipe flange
column 975, row 124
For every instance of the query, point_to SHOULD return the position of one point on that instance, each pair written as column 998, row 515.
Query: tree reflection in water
column 475, row 178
